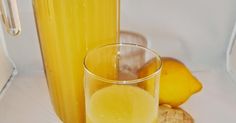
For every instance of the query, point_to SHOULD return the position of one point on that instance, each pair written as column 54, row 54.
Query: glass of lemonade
column 121, row 84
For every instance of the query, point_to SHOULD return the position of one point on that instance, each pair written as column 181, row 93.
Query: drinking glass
column 114, row 92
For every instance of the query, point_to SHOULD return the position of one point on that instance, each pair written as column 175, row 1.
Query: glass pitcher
column 66, row 30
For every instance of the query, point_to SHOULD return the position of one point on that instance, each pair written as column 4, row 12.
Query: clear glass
column 115, row 92
column 132, row 38
column 7, row 67
column 10, row 16
column 231, row 55
column 67, row 29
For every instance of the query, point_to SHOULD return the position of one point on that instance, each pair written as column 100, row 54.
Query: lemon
column 121, row 104
column 152, row 83
column 177, row 83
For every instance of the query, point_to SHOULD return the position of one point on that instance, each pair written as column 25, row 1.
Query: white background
column 196, row 32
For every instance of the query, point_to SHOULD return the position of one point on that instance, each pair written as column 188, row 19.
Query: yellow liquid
column 67, row 29
column 121, row 104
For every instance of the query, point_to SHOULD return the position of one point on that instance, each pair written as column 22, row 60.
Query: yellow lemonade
column 67, row 29
column 121, row 104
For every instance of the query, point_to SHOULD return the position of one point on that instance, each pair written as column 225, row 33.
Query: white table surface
column 27, row 100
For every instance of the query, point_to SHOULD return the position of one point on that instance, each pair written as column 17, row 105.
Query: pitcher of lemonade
column 66, row 30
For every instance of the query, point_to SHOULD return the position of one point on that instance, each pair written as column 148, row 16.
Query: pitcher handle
column 10, row 16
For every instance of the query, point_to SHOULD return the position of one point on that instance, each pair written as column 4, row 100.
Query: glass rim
column 123, row 82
